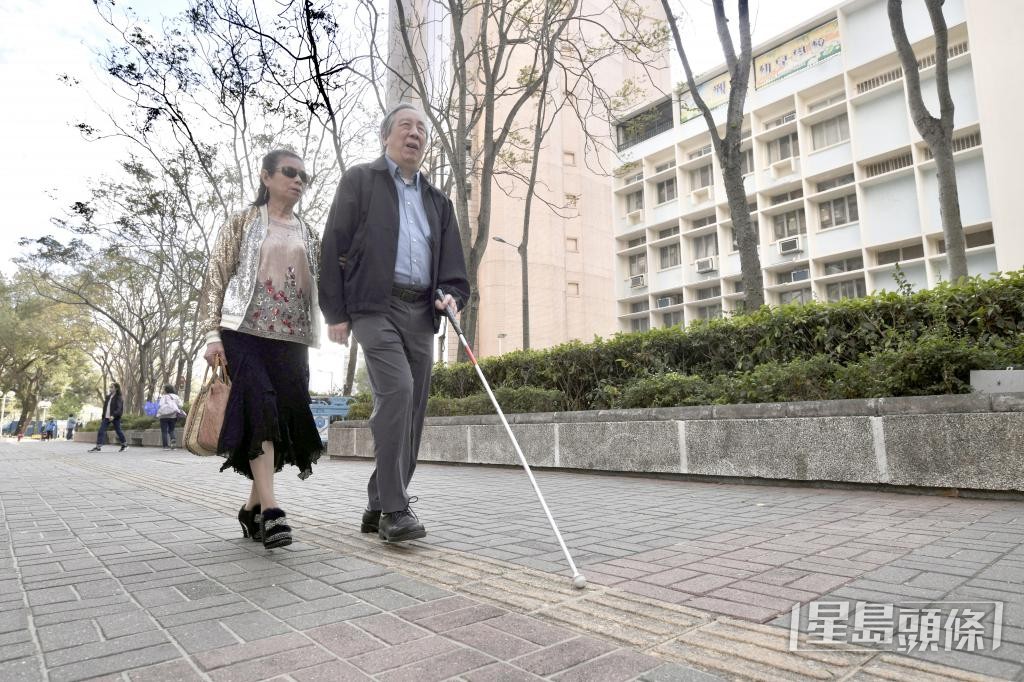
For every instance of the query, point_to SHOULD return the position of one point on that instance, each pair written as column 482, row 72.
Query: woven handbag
column 206, row 417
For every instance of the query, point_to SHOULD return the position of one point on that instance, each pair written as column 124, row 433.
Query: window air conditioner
column 706, row 264
column 637, row 281
column 664, row 301
column 790, row 245
column 636, row 217
column 799, row 275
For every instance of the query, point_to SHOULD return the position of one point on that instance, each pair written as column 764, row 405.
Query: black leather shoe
column 371, row 521
column 400, row 526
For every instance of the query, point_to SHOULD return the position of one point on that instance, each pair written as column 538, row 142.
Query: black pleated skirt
column 269, row 401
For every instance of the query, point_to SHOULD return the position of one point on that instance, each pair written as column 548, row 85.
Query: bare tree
column 727, row 146
column 937, row 132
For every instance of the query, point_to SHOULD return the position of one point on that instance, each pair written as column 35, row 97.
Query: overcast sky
column 47, row 164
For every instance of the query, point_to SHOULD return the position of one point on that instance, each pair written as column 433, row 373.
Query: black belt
column 410, row 295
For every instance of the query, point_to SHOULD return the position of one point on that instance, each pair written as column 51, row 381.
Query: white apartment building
column 840, row 184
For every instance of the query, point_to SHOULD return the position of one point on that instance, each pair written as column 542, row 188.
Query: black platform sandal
column 276, row 531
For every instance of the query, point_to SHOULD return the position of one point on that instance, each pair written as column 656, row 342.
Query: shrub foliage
column 887, row 344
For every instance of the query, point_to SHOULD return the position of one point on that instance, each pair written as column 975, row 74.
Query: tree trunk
column 746, row 232
column 949, row 209
column 936, row 131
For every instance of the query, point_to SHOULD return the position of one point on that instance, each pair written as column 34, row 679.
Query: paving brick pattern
column 130, row 565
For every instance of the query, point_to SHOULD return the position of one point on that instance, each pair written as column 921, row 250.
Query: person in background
column 168, row 411
column 72, row 423
column 113, row 408
column 258, row 311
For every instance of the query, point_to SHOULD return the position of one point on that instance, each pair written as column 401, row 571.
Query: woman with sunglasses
column 258, row 312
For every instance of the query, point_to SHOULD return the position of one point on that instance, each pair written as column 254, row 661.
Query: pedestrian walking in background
column 70, row 430
column 391, row 240
column 113, row 408
column 168, row 410
column 258, row 310
column 50, row 430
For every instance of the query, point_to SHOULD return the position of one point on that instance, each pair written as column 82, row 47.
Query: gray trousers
column 398, row 349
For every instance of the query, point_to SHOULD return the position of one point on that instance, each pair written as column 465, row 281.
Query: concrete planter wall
column 136, row 437
column 961, row 441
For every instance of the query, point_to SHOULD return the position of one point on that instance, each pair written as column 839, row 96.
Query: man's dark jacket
column 116, row 405
column 357, row 261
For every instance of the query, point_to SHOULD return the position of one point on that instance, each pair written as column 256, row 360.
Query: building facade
column 841, row 187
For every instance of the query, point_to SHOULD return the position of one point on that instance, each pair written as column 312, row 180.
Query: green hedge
column 885, row 344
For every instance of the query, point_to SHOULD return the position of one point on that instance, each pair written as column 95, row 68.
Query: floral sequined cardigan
column 231, row 277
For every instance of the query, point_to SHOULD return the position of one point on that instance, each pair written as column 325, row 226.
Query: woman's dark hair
column 117, row 387
column 168, row 388
column 270, row 162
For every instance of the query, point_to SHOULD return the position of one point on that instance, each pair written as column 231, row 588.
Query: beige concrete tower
column 571, row 243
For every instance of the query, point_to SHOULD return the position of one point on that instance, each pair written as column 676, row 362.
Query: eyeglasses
column 291, row 172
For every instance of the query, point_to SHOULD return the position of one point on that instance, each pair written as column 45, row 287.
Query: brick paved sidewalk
column 130, row 565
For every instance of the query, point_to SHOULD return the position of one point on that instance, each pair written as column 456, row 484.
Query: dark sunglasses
column 290, row 172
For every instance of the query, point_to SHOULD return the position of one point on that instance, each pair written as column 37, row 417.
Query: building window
column 638, row 264
column 634, row 201
column 644, row 125
column 783, row 148
column 640, row 324
column 572, row 244
column 835, row 182
column 899, row 255
column 636, row 242
column 706, row 246
column 797, row 296
column 569, row 158
column 702, row 222
column 826, row 101
column 709, row 292
column 837, row 212
column 700, row 177
column 639, row 307
column 665, row 234
column 747, row 161
column 573, row 289
column 851, row 288
column 669, row 256
column 703, row 151
column 673, row 318
column 664, row 166
column 666, row 190
column 844, row 265
column 797, row 275
column 789, row 224
column 737, row 286
column 983, row 238
column 787, row 196
column 781, row 120
column 709, row 312
column 830, row 132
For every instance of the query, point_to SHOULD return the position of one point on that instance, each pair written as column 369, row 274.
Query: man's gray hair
column 389, row 118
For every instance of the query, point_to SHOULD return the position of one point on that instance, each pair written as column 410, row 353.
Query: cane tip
column 579, row 582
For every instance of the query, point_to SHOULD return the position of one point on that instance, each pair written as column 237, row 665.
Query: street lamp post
column 521, row 248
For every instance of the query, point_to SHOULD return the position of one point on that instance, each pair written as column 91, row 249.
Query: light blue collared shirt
column 412, row 261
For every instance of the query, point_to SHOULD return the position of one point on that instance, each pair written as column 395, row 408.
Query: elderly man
column 391, row 240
